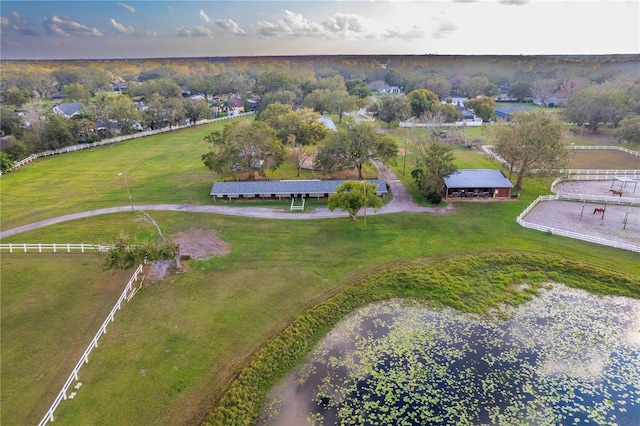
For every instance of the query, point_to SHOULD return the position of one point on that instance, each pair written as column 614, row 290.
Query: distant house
column 67, row 110
column 505, row 113
column 382, row 87
column 550, row 102
column 328, row 122
column 477, row 183
column 120, row 87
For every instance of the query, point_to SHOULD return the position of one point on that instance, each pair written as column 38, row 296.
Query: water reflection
column 564, row 358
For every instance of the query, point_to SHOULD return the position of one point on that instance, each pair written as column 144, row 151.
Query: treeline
column 121, row 97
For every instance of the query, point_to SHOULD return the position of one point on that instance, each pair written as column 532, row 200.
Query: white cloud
column 122, row 29
column 15, row 14
column 412, row 33
column 513, row 2
column 204, row 17
column 290, row 25
column 4, row 21
column 444, row 29
column 67, row 27
column 198, row 31
column 345, row 23
column 127, row 7
column 228, row 26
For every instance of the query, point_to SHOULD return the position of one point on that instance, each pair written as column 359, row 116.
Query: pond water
column 566, row 357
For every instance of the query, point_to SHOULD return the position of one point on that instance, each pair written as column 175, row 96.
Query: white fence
column 600, row 198
column 103, row 142
column 53, row 248
column 611, row 147
column 569, row 234
column 127, row 294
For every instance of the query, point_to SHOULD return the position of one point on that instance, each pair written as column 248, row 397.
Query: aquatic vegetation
column 563, row 358
column 483, row 284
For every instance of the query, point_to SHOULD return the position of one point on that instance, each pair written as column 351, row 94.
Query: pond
column 566, row 357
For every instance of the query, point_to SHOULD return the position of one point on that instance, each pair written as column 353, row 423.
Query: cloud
column 204, row 17
column 26, row 31
column 147, row 33
column 443, row 29
column 230, row 27
column 513, row 2
column 198, row 31
column 290, row 25
column 410, row 34
column 4, row 21
column 122, row 29
column 15, row 14
column 345, row 23
column 67, row 27
column 127, row 7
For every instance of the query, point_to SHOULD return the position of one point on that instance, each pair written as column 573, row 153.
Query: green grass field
column 174, row 347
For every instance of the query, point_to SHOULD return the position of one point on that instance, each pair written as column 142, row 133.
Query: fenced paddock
column 129, row 291
column 570, row 212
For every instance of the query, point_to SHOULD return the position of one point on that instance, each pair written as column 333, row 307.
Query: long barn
column 284, row 188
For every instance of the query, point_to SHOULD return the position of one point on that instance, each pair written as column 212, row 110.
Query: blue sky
column 133, row 29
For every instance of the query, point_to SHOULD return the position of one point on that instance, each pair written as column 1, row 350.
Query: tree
column 474, row 86
column 56, row 133
column 434, row 162
column 244, row 146
column 543, row 89
column 76, row 92
column 303, row 124
column 196, row 110
column 391, row 108
column 16, row 97
column 15, row 148
column 10, row 123
column 629, row 130
column 6, row 162
column 124, row 255
column 483, row 107
column 351, row 196
column 340, row 101
column 331, row 154
column 607, row 103
column 357, row 88
column 532, row 140
column 422, row 101
column 520, row 90
column 298, row 153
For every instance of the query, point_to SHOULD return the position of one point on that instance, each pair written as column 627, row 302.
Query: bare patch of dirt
column 199, row 244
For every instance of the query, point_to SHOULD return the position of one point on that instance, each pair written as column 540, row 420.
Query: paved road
column 401, row 203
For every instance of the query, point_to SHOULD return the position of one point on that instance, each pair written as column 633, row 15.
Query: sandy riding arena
column 582, row 218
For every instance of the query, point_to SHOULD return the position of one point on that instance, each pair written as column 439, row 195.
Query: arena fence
column 569, row 234
column 103, row 142
column 128, row 292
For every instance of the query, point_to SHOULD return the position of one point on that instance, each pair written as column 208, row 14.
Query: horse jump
column 615, row 192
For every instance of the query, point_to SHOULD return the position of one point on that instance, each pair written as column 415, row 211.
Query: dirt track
column 577, row 217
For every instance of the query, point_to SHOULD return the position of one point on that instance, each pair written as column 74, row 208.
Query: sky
column 155, row 29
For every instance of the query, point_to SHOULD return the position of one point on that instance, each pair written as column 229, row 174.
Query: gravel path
column 570, row 215
column 401, row 203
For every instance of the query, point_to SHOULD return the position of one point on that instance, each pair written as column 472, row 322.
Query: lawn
column 172, row 350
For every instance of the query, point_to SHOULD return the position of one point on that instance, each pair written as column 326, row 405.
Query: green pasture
column 173, row 349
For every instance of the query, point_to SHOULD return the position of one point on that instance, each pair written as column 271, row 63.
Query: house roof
column 328, row 122
column 69, row 108
column 478, row 178
column 508, row 110
column 285, row 187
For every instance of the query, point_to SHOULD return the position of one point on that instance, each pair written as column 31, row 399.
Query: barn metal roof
column 478, row 178
column 285, row 187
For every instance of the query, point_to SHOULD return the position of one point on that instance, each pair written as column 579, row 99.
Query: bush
column 434, row 197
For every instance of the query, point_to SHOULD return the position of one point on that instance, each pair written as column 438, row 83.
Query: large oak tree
column 531, row 140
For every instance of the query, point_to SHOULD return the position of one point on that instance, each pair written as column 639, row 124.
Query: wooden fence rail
column 128, row 292
column 53, row 248
column 103, row 142
column 569, row 234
